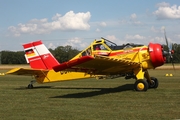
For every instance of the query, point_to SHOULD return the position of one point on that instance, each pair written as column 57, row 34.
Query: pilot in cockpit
column 98, row 47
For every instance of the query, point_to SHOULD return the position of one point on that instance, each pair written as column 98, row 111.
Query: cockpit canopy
column 105, row 47
column 113, row 46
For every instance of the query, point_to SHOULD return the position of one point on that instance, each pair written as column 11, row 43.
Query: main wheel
column 154, row 83
column 141, row 85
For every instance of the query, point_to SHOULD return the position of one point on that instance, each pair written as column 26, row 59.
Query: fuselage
column 149, row 57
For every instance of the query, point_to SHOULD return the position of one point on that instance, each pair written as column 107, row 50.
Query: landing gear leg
column 30, row 86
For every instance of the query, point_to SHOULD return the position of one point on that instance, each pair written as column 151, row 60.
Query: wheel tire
column 155, row 83
column 30, row 86
column 141, row 85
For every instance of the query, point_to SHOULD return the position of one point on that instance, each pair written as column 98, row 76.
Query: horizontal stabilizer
column 26, row 71
column 44, row 76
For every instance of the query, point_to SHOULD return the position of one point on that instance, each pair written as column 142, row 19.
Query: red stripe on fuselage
column 121, row 52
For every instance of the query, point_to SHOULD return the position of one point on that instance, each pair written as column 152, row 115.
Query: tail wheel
column 30, row 86
column 154, row 83
column 141, row 85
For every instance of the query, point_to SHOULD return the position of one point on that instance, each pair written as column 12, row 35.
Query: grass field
column 90, row 99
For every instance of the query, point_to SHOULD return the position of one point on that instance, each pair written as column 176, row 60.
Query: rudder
column 38, row 56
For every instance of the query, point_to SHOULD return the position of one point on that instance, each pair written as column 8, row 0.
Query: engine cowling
column 156, row 54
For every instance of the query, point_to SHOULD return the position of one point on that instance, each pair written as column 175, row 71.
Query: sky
column 78, row 22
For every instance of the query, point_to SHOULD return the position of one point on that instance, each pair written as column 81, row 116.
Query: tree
column 10, row 57
column 63, row 54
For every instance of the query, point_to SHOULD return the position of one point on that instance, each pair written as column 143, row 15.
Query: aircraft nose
column 156, row 54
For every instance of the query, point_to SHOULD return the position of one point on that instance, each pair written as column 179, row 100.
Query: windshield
column 109, row 43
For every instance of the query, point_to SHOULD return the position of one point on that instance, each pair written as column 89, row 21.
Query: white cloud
column 163, row 4
column 51, row 45
column 137, row 23
column 154, row 29
column 56, row 16
column 157, row 30
column 100, row 26
column 76, row 43
column 160, row 40
column 114, row 39
column 14, row 31
column 122, row 22
column 133, row 16
column 98, row 30
column 75, row 40
column 70, row 21
column 134, row 21
column 111, row 38
column 103, row 24
column 165, row 11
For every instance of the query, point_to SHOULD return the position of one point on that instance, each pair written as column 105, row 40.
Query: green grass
column 90, row 99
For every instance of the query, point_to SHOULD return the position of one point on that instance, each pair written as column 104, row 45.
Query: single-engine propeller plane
column 103, row 58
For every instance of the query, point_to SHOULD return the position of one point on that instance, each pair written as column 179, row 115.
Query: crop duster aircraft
column 102, row 58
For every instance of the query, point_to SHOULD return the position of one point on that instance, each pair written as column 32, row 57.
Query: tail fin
column 38, row 56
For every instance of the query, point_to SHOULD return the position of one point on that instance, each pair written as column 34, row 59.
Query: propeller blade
column 170, row 52
column 166, row 39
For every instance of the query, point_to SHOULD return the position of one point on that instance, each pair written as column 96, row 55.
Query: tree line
column 65, row 53
column 61, row 53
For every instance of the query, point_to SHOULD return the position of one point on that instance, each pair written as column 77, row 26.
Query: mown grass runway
column 90, row 99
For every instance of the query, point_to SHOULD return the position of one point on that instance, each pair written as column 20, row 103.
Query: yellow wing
column 106, row 65
column 100, row 65
column 94, row 65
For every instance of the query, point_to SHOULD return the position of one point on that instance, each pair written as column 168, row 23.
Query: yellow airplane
column 102, row 58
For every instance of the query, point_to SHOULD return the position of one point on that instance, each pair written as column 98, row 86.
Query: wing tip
column 12, row 70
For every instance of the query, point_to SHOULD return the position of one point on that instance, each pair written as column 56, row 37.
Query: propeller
column 170, row 51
